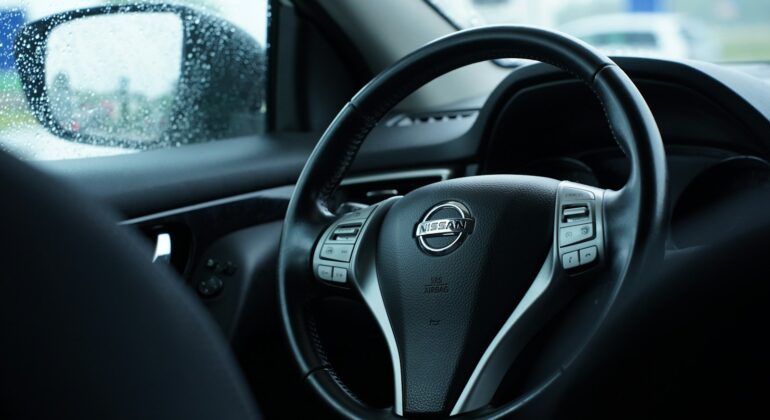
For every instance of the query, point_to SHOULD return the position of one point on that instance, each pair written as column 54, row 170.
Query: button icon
column 340, row 275
column 337, row 252
column 588, row 255
column 574, row 234
column 577, row 194
column 325, row 272
column 570, row 260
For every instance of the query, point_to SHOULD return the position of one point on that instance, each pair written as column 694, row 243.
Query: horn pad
column 453, row 259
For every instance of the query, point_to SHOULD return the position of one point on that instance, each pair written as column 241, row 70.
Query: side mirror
column 141, row 76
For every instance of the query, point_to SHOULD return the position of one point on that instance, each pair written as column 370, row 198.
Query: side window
column 87, row 78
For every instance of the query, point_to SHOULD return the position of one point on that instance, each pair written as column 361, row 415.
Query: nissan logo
column 444, row 228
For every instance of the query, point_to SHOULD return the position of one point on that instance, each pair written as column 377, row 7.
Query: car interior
column 383, row 209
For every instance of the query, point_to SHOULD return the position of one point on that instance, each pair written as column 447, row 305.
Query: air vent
column 371, row 189
column 408, row 120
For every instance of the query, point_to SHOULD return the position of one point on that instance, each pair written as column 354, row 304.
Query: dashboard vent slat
column 408, row 120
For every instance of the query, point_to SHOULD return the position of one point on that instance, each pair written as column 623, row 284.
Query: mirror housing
column 219, row 92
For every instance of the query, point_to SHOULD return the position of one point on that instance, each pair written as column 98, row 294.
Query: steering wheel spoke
column 578, row 251
column 348, row 246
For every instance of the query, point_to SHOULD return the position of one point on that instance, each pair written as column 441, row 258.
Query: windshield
column 710, row 30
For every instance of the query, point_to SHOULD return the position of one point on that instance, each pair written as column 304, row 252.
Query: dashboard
column 716, row 143
column 716, row 138
column 715, row 125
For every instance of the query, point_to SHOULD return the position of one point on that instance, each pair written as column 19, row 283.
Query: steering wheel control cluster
column 331, row 260
column 211, row 285
column 579, row 227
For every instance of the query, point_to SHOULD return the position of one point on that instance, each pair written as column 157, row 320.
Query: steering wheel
column 460, row 274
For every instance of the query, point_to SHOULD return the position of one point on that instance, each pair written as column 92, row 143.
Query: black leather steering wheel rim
column 635, row 215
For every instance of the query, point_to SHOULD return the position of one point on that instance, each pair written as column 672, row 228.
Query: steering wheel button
column 575, row 213
column 345, row 234
column 210, row 287
column 325, row 273
column 327, row 252
column 588, row 255
column 337, row 252
column 574, row 234
column 340, row 275
column 360, row 213
column 570, row 260
column 346, row 231
column 570, row 193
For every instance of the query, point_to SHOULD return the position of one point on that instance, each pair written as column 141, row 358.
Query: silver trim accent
column 279, row 193
column 363, row 272
column 546, row 293
column 388, row 192
column 488, row 372
column 442, row 173
column 162, row 248
column 285, row 192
